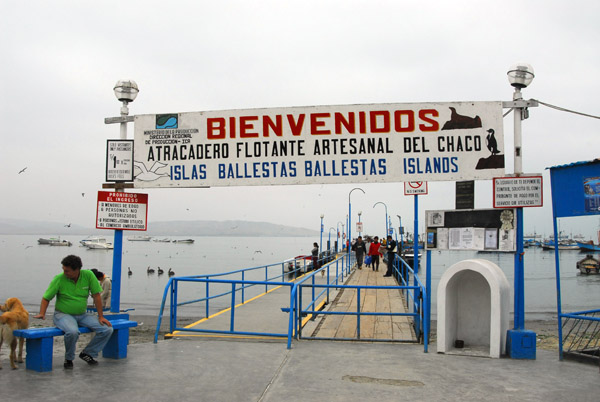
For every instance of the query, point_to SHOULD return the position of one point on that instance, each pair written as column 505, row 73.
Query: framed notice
column 119, row 160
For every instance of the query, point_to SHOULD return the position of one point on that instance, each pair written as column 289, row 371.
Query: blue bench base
column 40, row 342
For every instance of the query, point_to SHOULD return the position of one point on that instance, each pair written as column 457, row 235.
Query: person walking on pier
column 360, row 250
column 374, row 253
column 71, row 289
column 315, row 256
column 390, row 248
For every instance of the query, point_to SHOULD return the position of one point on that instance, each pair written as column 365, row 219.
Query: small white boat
column 187, row 241
column 139, row 238
column 165, row 240
column 98, row 243
column 92, row 239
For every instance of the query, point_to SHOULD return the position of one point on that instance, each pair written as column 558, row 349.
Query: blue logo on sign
column 166, row 121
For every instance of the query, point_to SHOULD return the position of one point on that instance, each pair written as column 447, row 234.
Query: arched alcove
column 473, row 304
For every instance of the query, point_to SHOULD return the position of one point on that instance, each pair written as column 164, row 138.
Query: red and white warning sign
column 124, row 211
column 415, row 188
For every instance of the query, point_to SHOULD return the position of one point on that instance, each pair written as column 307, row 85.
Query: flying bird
column 68, row 226
column 22, row 170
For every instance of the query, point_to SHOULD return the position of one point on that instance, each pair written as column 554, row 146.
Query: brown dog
column 14, row 317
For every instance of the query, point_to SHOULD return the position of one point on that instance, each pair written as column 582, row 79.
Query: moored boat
column 92, row 239
column 589, row 265
column 98, row 243
column 165, row 240
column 48, row 240
column 589, row 247
column 187, row 241
column 61, row 243
column 139, row 238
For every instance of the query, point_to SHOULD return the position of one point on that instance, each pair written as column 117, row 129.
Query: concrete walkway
column 204, row 369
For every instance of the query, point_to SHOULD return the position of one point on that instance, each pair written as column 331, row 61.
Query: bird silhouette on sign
column 149, row 174
column 22, row 170
column 491, row 142
column 458, row 121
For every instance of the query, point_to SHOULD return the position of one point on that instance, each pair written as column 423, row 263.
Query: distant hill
column 166, row 228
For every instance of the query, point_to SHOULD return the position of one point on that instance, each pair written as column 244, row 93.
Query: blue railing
column 318, row 294
column 414, row 296
column 246, row 280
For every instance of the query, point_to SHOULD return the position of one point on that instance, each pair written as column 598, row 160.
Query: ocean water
column 26, row 268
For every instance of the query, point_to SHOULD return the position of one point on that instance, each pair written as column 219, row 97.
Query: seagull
column 258, row 251
column 68, row 226
column 22, row 170
column 171, row 272
column 83, row 194
column 160, row 271
column 150, row 270
column 129, row 271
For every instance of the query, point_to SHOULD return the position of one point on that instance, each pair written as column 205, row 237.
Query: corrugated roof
column 597, row 160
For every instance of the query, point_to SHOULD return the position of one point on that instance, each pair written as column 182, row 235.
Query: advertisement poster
column 373, row 143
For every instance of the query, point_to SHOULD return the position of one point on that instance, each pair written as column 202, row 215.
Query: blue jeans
column 70, row 325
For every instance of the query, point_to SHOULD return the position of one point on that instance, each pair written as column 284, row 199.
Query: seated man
column 71, row 289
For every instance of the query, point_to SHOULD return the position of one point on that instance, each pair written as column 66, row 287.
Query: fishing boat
column 589, row 265
column 589, row 247
column 186, row 241
column 61, row 243
column 139, row 238
column 300, row 264
column 562, row 245
column 49, row 240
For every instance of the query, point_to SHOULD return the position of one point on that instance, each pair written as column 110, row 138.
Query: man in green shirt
column 72, row 289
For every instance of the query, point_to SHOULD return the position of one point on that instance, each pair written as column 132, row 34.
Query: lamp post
column 360, row 231
column 126, row 91
column 387, row 231
column 350, row 220
column 321, row 240
column 401, row 232
column 338, row 234
column 519, row 76
column 329, row 242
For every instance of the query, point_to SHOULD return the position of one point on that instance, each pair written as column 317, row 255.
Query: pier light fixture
column 126, row 90
column 520, row 75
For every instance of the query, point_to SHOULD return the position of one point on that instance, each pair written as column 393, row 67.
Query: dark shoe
column 88, row 359
column 68, row 364
column 387, row 275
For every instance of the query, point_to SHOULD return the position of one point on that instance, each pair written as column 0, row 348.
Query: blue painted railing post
column 428, row 300
column 115, row 297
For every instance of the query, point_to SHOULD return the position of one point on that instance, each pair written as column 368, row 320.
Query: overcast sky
column 61, row 59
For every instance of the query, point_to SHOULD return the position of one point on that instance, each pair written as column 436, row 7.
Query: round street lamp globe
column 126, row 90
column 520, row 75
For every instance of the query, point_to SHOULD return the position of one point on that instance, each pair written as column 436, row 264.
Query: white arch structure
column 473, row 306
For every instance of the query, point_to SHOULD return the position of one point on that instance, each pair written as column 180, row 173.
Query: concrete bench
column 40, row 342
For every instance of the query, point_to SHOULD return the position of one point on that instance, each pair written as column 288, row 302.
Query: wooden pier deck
column 396, row 328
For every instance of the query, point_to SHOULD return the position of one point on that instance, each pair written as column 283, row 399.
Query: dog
column 14, row 317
